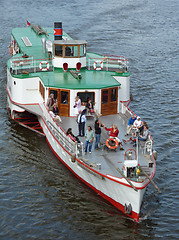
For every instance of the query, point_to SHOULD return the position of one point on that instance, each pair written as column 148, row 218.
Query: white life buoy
column 41, row 66
column 98, row 68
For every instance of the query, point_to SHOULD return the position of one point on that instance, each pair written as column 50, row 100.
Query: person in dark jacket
column 89, row 106
column 55, row 109
column 72, row 136
column 97, row 126
column 81, row 120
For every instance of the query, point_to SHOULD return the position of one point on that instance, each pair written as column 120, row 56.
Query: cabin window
column 64, row 97
column 71, row 51
column 58, row 50
column 105, row 96
column 68, row 51
column 84, row 96
column 113, row 94
column 82, row 50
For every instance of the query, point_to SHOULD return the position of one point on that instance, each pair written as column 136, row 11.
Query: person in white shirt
column 77, row 105
column 138, row 124
column 81, row 120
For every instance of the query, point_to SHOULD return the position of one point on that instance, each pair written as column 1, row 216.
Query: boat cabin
column 60, row 65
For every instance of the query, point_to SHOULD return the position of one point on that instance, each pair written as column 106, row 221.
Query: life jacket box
column 128, row 164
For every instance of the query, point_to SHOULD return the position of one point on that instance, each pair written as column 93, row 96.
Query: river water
column 39, row 197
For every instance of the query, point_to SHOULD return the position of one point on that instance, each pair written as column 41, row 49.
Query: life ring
column 98, row 68
column 44, row 68
column 114, row 140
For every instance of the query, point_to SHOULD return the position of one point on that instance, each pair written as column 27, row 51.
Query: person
column 141, row 137
column 114, row 133
column 81, row 120
column 77, row 105
column 144, row 135
column 67, row 51
column 50, row 102
column 89, row 135
column 138, row 124
column 72, row 136
column 130, row 124
column 56, row 112
column 55, row 109
column 89, row 106
column 97, row 126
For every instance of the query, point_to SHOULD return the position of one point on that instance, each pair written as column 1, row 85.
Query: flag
column 28, row 23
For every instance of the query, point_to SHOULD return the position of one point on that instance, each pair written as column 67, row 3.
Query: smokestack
column 58, row 32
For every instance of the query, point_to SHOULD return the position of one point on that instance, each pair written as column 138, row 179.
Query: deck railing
column 27, row 64
column 58, row 132
column 128, row 113
column 108, row 63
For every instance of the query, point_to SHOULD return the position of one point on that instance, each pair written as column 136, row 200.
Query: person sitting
column 141, row 137
column 138, row 125
column 54, row 113
column 130, row 124
column 72, row 136
column 50, row 102
column 68, row 51
column 55, row 109
column 114, row 133
column 144, row 135
column 89, row 106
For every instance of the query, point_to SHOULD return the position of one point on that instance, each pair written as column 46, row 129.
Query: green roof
column 36, row 40
column 91, row 79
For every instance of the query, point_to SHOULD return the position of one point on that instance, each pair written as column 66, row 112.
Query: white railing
column 108, row 63
column 28, row 64
column 58, row 132
column 128, row 112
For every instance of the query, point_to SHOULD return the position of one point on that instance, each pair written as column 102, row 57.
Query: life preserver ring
column 98, row 68
column 114, row 140
column 44, row 68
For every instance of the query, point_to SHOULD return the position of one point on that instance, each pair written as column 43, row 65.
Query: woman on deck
column 114, row 133
column 72, row 136
column 77, row 105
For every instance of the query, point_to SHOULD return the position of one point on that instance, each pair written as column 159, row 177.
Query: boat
column 48, row 62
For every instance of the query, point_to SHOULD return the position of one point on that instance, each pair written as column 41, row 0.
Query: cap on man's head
column 138, row 117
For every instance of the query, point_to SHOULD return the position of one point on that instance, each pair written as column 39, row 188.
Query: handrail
column 29, row 64
column 132, row 113
column 58, row 132
column 108, row 63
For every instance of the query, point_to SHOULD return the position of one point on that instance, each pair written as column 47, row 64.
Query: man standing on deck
column 89, row 135
column 81, row 119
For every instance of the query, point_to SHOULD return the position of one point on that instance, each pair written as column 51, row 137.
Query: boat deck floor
column 109, row 159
